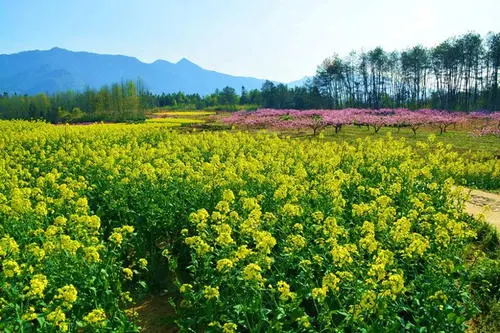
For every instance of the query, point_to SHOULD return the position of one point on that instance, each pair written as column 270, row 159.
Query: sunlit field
column 315, row 234
column 186, row 113
column 175, row 121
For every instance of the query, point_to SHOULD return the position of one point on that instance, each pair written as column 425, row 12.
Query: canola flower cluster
column 271, row 234
column 55, row 263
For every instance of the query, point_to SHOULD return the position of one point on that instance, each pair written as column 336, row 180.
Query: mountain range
column 57, row 69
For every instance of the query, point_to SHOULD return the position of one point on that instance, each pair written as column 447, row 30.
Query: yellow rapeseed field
column 249, row 232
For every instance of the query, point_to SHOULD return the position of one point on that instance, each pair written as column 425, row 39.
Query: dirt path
column 479, row 199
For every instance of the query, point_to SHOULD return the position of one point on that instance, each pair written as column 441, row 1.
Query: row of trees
column 460, row 73
column 483, row 123
column 227, row 99
column 118, row 102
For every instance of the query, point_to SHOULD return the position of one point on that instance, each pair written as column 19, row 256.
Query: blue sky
column 275, row 39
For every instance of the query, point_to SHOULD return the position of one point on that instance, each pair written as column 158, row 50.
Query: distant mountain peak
column 60, row 69
column 186, row 62
column 300, row 82
column 56, row 48
column 160, row 62
column 183, row 61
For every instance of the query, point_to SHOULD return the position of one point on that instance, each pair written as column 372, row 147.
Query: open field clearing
column 174, row 121
column 461, row 140
column 314, row 235
column 182, row 113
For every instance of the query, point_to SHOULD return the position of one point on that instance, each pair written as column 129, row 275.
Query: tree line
column 222, row 99
column 116, row 102
column 461, row 73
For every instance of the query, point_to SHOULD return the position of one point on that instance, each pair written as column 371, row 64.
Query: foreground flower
column 96, row 317
column 210, row 292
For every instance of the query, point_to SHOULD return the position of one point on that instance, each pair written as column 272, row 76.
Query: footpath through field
column 480, row 199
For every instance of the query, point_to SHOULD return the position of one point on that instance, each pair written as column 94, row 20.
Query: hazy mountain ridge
column 58, row 69
column 300, row 82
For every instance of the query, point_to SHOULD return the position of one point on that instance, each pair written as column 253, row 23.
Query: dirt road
column 479, row 199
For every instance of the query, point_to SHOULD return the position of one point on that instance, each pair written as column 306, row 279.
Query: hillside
column 57, row 69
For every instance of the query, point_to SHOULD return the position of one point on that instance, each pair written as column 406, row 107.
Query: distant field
column 182, row 113
column 178, row 121
column 460, row 139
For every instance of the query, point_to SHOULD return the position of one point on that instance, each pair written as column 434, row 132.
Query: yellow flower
column 185, row 288
column 318, row 216
column 36, row 251
column 128, row 273
column 143, row 263
column 331, row 282
column 41, row 209
column 264, row 241
column 96, row 318
column 228, row 196
column 442, row 236
column 296, row 242
column 51, row 231
column 8, row 245
column 224, row 264
column 368, row 301
column 69, row 244
column 126, row 297
column 342, row 254
column 242, row 252
column 250, row 204
column 292, row 210
column 57, row 318
column 285, row 293
column 68, row 294
column 229, row 328
column 369, row 243
column 10, row 268
column 319, row 293
column 38, row 283
column 394, row 285
column 418, row 245
column 224, row 234
column 439, row 296
column 252, row 272
column 116, row 237
column 198, row 244
column 82, row 205
column 60, row 221
column 223, row 207
column 93, row 222
column 401, row 229
column 304, row 321
column 200, row 217
column 29, row 315
column 128, row 229
column 92, row 254
column 210, row 292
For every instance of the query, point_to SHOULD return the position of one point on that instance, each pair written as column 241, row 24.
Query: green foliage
column 118, row 103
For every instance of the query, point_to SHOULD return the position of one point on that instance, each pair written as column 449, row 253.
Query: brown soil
column 155, row 315
column 486, row 203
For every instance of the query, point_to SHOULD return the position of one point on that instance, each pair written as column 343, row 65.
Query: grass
column 183, row 113
column 460, row 139
column 178, row 121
